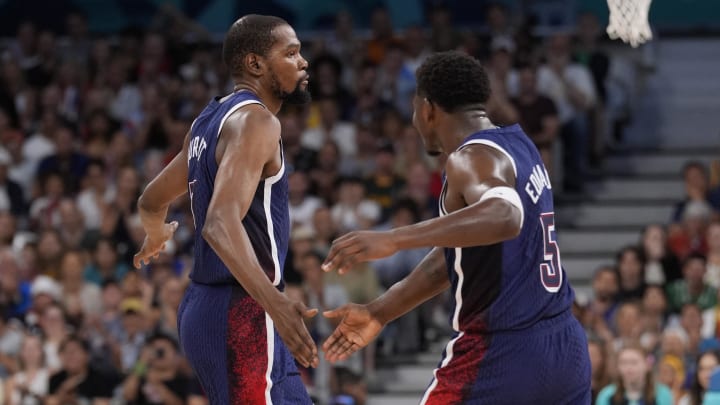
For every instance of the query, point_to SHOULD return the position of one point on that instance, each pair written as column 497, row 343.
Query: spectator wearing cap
column 134, row 320
column 11, row 194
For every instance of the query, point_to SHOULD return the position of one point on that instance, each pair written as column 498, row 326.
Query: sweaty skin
column 248, row 151
column 470, row 172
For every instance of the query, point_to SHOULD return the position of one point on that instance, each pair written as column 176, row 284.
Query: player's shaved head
column 252, row 33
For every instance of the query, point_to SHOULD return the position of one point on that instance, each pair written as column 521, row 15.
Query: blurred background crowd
column 86, row 120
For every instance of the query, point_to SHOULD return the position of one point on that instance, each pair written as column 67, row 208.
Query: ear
column 428, row 110
column 254, row 64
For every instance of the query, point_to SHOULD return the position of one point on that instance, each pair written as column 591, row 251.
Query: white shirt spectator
column 342, row 133
column 553, row 86
column 301, row 215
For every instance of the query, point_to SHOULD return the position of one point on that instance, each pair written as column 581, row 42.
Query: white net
column 629, row 21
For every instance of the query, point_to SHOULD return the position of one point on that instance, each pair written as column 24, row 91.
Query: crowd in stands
column 86, row 121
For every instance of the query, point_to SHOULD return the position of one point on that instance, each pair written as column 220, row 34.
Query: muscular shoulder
column 481, row 162
column 252, row 121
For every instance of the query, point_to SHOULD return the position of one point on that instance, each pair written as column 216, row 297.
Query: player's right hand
column 357, row 328
column 288, row 317
column 154, row 244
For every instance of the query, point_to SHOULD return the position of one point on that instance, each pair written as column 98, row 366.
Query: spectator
column 599, row 362
column 78, row 380
column 80, row 298
column 537, row 115
column 712, row 238
column 331, row 128
column 10, row 343
column 635, row 381
column 603, row 305
column 692, row 288
column 67, row 162
column 156, row 378
column 351, row 388
column 502, row 78
column 688, row 237
column 53, row 325
column 571, row 88
column 384, row 186
column 104, row 264
column 701, row 379
column 661, row 265
column 697, row 188
column 631, row 268
column 671, row 373
column 15, row 296
column 95, row 196
column 11, row 194
column 353, row 210
column 29, row 384
column 134, row 333
column 301, row 204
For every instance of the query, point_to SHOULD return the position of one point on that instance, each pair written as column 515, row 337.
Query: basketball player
column 515, row 339
column 234, row 322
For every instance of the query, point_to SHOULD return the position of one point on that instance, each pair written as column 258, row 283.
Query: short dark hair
column 252, row 33
column 453, row 80
column 73, row 338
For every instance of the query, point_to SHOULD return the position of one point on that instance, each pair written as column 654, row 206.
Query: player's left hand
column 153, row 245
column 357, row 247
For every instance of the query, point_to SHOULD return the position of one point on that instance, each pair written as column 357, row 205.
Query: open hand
column 357, row 247
column 154, row 244
column 357, row 328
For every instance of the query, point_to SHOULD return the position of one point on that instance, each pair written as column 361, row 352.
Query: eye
column 292, row 53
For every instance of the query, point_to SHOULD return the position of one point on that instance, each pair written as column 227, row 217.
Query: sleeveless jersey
column 267, row 221
column 511, row 285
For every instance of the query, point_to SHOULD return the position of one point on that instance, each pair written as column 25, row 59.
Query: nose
column 303, row 63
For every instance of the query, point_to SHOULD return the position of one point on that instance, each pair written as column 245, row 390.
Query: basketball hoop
column 629, row 21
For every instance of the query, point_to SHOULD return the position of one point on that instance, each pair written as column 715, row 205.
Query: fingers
column 304, row 311
column 339, row 347
column 335, row 249
column 336, row 313
column 343, row 256
column 303, row 348
column 141, row 258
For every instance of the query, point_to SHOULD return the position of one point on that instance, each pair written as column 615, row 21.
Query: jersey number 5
column 550, row 270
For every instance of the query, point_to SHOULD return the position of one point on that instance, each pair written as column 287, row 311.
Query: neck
column 456, row 127
column 271, row 102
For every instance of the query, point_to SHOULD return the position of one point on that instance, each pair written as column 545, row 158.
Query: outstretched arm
column 360, row 324
column 153, row 205
column 480, row 179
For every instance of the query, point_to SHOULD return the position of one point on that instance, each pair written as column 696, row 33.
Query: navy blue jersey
column 267, row 221
column 513, row 284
